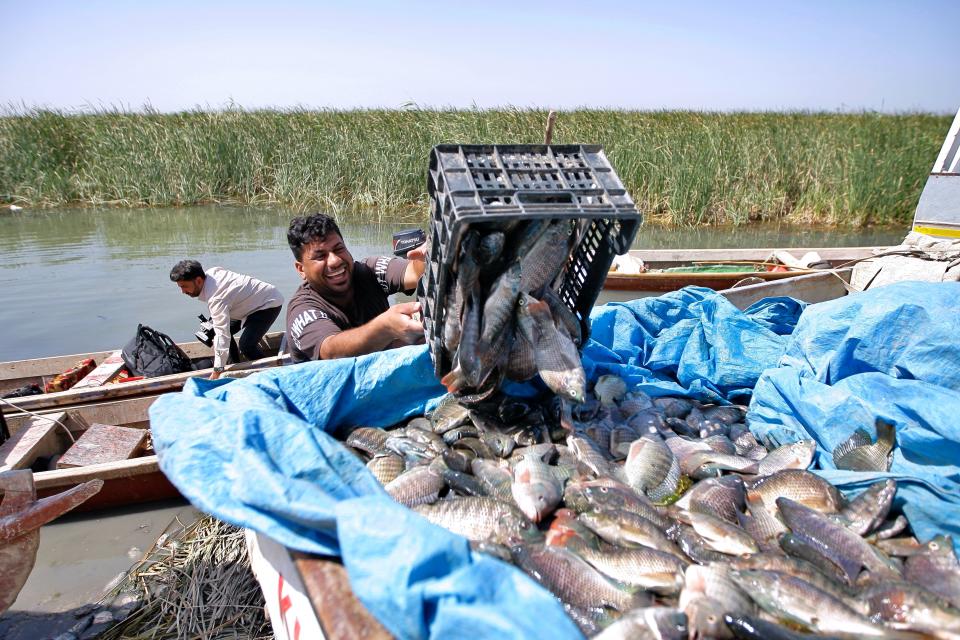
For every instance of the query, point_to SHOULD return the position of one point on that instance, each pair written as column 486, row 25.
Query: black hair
column 186, row 270
column 306, row 229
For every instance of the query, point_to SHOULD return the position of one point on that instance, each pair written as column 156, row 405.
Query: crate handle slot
column 545, row 197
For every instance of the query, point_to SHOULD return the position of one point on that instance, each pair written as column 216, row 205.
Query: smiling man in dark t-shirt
column 342, row 309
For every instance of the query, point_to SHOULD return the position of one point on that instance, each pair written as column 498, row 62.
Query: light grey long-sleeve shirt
column 233, row 296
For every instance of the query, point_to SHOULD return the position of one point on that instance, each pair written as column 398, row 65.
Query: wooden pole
column 551, row 119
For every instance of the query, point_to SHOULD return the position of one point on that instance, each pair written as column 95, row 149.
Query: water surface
column 81, row 280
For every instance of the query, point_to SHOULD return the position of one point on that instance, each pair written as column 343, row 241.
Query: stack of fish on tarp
column 595, row 503
column 849, row 574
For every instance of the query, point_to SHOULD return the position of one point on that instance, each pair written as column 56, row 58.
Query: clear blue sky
column 174, row 55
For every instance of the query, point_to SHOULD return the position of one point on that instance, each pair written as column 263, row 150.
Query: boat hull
column 18, row 373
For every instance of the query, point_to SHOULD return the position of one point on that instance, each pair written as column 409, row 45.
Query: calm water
column 81, row 280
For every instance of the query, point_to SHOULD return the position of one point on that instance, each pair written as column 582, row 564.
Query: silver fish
column 499, row 307
column 860, row 453
column 911, row 607
column 468, row 273
column 709, row 593
column 610, row 389
column 573, row 580
column 835, row 541
column 641, row 567
column 370, row 440
column 652, row 468
column 558, row 361
column 801, row 486
column 650, row 623
column 480, row 519
column 936, row 568
column 386, row 467
column 626, row 529
column 420, row 485
column 869, row 509
column 796, row 601
column 535, row 489
column 796, row 455
column 546, row 257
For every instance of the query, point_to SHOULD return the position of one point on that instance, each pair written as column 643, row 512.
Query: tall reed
column 680, row 167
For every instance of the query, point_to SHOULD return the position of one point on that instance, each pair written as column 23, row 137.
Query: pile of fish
column 502, row 318
column 666, row 518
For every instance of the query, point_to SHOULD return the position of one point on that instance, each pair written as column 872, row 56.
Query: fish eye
column 603, row 489
column 712, row 619
column 934, row 546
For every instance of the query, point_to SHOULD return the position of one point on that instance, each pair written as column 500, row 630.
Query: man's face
column 327, row 266
column 191, row 288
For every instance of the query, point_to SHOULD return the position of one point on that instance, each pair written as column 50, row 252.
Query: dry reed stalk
column 195, row 582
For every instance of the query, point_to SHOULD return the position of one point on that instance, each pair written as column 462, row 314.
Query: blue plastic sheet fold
column 691, row 343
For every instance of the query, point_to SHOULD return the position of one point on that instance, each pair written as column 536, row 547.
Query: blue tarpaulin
column 691, row 342
column 257, row 452
column 891, row 353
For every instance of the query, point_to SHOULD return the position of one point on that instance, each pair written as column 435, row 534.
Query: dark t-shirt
column 311, row 318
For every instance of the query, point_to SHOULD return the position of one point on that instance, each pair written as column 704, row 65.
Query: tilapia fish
column 860, row 453
column 573, row 580
column 558, row 361
column 566, row 492
column 480, row 325
column 480, row 519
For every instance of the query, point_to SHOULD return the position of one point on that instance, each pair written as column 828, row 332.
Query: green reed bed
column 680, row 167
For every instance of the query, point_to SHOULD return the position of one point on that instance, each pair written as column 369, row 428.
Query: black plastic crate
column 489, row 185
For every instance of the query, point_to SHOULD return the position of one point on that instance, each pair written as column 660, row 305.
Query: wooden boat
column 127, row 481
column 18, row 373
column 131, row 480
column 742, row 264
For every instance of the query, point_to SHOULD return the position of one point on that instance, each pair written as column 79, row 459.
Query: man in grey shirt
column 236, row 301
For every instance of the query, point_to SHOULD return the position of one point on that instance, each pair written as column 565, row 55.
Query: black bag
column 152, row 354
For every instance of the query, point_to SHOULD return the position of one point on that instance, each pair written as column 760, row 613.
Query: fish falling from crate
column 505, row 320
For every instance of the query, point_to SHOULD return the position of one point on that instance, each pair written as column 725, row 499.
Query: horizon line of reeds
column 681, row 167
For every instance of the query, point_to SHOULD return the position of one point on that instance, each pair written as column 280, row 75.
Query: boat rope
column 43, row 417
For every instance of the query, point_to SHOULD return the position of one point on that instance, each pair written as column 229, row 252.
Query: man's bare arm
column 395, row 325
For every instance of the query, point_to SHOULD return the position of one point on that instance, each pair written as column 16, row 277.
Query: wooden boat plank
column 37, row 367
column 654, row 257
column 672, row 281
column 129, row 413
column 149, row 386
column 815, row 287
column 17, row 373
column 126, row 482
column 117, row 470
column 340, row 612
column 132, row 481
column 38, row 439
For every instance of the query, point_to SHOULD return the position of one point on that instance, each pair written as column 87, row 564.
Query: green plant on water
column 685, row 168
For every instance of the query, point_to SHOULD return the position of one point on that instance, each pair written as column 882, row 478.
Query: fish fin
column 886, row 432
column 859, row 438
